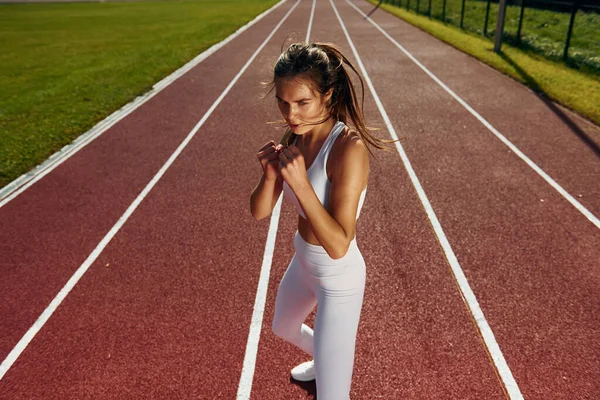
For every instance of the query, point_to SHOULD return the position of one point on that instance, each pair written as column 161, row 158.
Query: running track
column 167, row 307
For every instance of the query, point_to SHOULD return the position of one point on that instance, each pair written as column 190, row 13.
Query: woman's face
column 298, row 104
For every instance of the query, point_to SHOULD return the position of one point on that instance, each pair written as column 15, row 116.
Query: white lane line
column 310, row 21
column 484, row 328
column 245, row 385
column 593, row 219
column 29, row 335
column 19, row 185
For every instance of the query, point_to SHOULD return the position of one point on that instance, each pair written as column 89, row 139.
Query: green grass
column 65, row 67
column 574, row 89
column 543, row 32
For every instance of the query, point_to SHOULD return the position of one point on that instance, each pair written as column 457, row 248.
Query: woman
column 322, row 166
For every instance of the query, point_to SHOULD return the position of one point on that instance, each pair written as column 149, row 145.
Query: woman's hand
column 269, row 160
column 292, row 168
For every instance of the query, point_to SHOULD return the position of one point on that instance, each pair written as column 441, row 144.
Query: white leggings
column 338, row 287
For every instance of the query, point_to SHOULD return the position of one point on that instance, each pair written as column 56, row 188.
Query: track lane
column 563, row 144
column 427, row 349
column 531, row 259
column 416, row 338
column 50, row 229
column 145, row 319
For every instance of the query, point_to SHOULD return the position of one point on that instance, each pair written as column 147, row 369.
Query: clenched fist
column 268, row 156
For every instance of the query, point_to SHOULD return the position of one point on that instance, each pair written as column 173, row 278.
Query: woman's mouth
column 292, row 127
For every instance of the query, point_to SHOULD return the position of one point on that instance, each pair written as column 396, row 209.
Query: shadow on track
column 373, row 10
column 310, row 388
column 552, row 106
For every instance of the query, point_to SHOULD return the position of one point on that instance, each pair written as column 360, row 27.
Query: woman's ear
column 328, row 95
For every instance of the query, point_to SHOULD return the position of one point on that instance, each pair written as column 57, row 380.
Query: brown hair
column 324, row 66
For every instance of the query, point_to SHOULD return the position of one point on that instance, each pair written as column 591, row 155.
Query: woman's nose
column 290, row 113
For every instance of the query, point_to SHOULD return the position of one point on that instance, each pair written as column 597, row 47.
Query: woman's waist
column 304, row 248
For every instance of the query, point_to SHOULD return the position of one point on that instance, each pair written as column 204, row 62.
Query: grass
column 65, row 67
column 543, row 31
column 577, row 90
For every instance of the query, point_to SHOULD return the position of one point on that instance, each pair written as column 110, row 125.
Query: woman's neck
column 318, row 134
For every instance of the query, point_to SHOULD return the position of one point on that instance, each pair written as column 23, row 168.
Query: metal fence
column 560, row 30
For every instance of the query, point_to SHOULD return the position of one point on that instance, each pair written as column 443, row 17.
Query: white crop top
column 317, row 174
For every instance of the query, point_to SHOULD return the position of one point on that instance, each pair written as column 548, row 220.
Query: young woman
column 322, row 166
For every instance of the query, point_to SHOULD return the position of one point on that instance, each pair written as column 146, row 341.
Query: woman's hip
column 315, row 260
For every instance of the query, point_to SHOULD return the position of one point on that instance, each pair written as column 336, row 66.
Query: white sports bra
column 317, row 174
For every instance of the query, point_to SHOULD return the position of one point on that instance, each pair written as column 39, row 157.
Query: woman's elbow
column 257, row 216
column 340, row 252
column 254, row 213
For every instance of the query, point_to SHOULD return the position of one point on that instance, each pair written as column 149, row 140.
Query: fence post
column 487, row 17
column 418, row 3
column 444, row 12
column 429, row 9
column 520, row 21
column 570, row 32
column 500, row 26
column 462, row 14
column 407, row 5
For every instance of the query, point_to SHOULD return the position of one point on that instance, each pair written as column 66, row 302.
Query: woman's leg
column 294, row 301
column 340, row 302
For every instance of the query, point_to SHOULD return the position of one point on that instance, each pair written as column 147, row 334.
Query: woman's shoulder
column 349, row 156
column 349, row 141
column 349, row 150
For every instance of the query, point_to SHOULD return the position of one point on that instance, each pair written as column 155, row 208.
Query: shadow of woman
column 310, row 387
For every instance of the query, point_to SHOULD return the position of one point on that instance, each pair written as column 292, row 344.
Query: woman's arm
column 336, row 229
column 265, row 196
column 269, row 188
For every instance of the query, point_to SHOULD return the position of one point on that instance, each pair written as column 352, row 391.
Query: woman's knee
column 281, row 328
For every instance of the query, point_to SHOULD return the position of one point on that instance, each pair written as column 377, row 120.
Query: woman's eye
column 303, row 103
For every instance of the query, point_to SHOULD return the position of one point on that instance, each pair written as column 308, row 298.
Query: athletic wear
column 317, row 174
column 304, row 372
column 338, row 287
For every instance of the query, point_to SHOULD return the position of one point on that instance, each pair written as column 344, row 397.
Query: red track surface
column 164, row 312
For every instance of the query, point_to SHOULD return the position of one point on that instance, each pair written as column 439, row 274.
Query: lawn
column 543, row 31
column 65, row 67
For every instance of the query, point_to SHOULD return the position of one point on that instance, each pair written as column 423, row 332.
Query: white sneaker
column 304, row 372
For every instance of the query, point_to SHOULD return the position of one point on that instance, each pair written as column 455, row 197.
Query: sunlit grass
column 65, row 67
